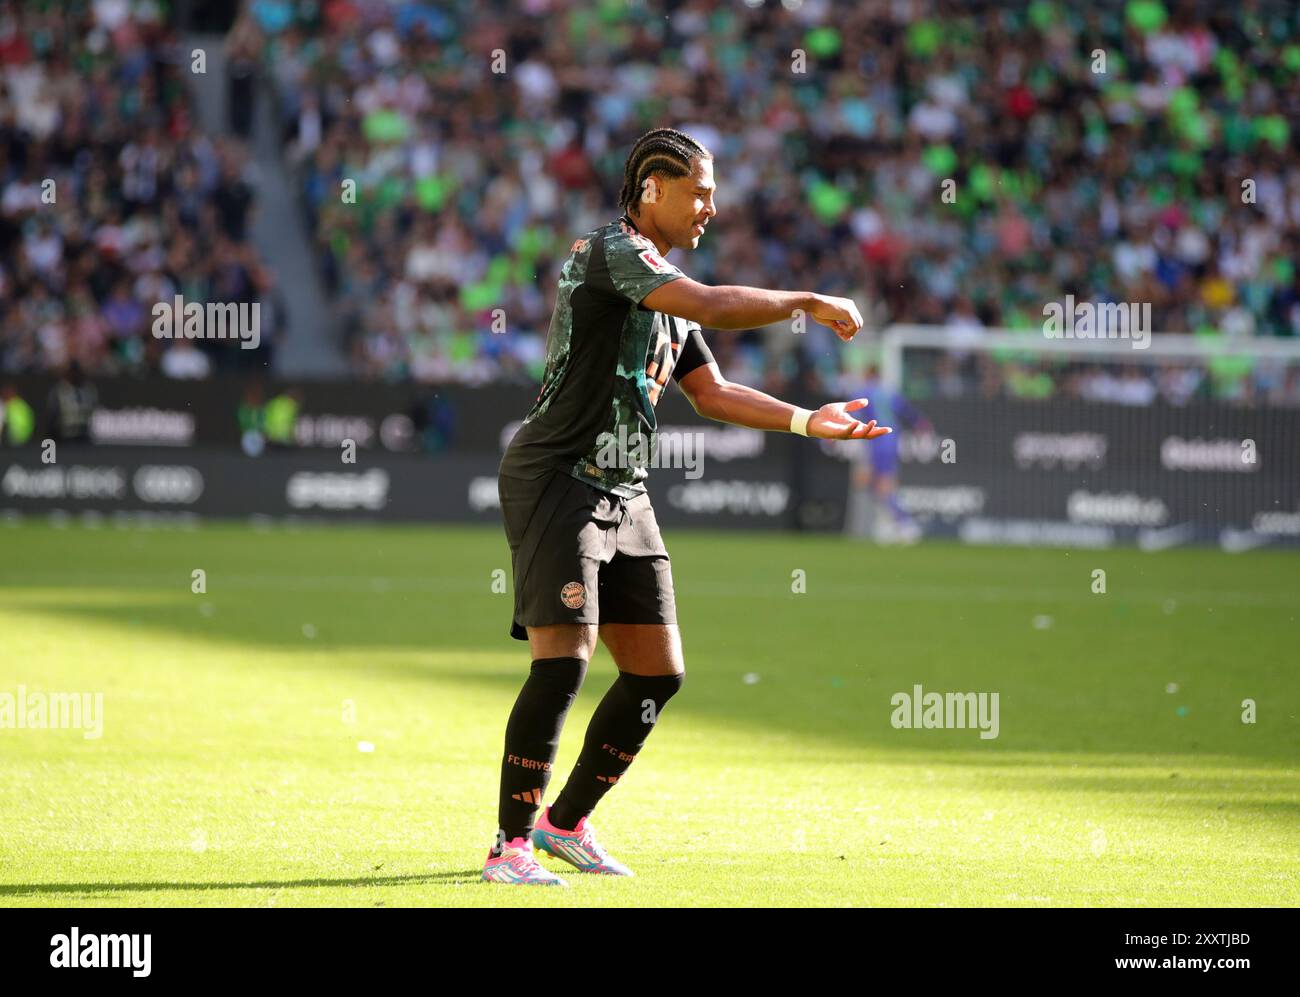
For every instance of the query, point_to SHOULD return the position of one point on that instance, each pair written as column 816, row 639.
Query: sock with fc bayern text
column 532, row 737
column 618, row 729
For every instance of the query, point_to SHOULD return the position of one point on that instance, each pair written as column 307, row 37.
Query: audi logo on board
column 174, row 484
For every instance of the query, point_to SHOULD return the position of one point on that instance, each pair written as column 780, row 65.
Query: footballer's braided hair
column 660, row 150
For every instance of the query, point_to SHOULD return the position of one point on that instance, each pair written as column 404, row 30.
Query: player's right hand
column 839, row 314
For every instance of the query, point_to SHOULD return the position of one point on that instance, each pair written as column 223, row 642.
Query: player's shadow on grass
column 414, row 879
column 852, row 710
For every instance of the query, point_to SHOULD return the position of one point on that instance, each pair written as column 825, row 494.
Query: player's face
column 687, row 206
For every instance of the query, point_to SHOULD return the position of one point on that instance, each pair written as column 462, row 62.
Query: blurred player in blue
column 874, row 469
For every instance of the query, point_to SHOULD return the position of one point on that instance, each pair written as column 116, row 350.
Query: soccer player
column 587, row 556
column 875, row 469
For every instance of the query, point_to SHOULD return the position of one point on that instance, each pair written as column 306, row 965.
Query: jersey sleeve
column 634, row 266
column 695, row 353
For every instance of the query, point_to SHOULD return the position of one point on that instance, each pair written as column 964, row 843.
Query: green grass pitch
column 230, row 769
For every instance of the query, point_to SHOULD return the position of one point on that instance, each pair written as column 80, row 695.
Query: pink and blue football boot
column 518, row 866
column 578, row 847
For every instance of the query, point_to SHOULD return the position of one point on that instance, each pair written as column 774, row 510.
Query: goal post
column 1092, row 442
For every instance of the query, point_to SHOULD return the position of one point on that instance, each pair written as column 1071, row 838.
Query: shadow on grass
column 807, row 701
column 414, row 606
column 417, row 879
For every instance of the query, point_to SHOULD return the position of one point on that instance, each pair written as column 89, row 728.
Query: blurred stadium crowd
column 110, row 199
column 1113, row 183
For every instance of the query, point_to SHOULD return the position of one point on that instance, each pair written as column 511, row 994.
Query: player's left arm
column 714, row 397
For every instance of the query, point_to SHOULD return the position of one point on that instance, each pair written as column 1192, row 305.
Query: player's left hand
column 833, row 422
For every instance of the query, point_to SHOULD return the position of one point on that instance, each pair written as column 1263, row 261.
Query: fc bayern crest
column 574, row 595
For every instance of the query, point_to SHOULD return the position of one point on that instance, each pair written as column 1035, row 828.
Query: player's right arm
column 735, row 307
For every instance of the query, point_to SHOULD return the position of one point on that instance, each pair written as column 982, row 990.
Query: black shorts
column 581, row 555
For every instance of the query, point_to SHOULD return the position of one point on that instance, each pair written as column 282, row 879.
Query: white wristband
column 799, row 421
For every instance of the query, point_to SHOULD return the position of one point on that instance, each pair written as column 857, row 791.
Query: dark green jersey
column 608, row 359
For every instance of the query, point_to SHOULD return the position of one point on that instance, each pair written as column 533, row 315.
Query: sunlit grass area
column 323, row 724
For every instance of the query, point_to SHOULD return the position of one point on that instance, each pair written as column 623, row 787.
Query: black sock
column 532, row 736
column 617, row 731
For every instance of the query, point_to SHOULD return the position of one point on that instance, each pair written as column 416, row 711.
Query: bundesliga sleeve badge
column 655, row 262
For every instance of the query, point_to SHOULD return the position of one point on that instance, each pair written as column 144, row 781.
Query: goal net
column 1014, row 437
